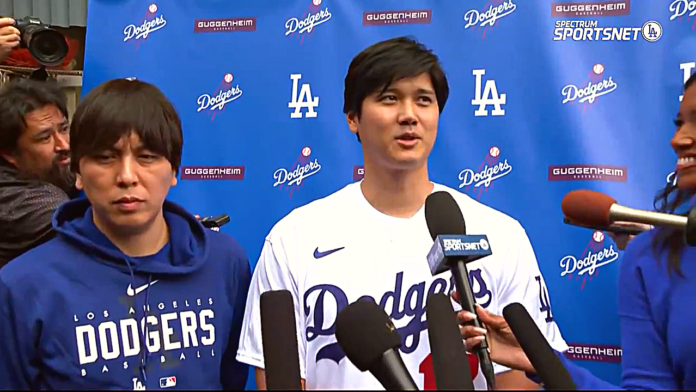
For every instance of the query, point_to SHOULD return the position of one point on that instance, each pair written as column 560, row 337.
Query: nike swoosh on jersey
column 131, row 293
column 319, row 255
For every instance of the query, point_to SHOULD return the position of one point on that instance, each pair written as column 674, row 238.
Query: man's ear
column 353, row 122
column 9, row 157
column 78, row 182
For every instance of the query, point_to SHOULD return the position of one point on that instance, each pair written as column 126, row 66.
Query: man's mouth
column 408, row 136
column 127, row 200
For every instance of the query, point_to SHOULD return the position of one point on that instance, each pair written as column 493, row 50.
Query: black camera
column 48, row 46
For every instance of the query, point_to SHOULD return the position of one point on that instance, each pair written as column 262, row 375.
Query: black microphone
column 452, row 250
column 548, row 367
column 279, row 339
column 371, row 342
column 447, row 346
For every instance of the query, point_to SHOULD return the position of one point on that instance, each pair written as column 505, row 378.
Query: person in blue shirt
column 657, row 291
column 133, row 293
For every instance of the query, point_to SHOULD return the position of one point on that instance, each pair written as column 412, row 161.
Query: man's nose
column 61, row 142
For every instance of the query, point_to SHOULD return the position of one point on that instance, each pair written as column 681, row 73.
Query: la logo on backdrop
column 585, row 94
column 304, row 26
column 148, row 24
column 484, row 20
column 598, row 253
column 215, row 103
column 490, row 170
column 294, row 176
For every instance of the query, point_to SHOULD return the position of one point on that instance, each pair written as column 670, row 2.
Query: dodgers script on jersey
column 339, row 249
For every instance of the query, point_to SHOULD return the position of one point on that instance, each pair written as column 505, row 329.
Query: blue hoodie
column 70, row 310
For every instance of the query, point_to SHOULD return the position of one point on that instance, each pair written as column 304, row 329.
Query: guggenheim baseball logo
column 212, row 173
column 358, row 172
column 383, row 18
column 590, row 8
column 583, row 172
column 222, row 25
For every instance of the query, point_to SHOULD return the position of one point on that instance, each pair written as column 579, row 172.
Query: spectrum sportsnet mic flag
column 467, row 247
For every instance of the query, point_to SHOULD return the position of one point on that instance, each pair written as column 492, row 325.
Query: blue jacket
column 70, row 310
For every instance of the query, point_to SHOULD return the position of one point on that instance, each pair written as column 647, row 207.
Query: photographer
column 35, row 175
column 9, row 37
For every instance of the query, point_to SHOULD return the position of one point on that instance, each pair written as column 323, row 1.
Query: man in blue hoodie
column 133, row 293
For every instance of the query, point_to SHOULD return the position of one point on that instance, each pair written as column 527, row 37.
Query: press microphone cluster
column 279, row 340
column 548, row 367
column 592, row 208
column 453, row 250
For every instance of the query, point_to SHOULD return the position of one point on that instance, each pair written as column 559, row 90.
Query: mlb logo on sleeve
column 167, row 382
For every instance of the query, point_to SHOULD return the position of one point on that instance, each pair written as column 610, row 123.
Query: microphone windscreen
column 450, row 362
column 443, row 216
column 279, row 340
column 587, row 207
column 365, row 332
column 548, row 367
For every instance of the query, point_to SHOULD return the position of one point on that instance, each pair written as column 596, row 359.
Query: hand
column 9, row 37
column 622, row 240
column 502, row 344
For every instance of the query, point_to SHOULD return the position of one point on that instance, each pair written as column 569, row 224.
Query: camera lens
column 47, row 46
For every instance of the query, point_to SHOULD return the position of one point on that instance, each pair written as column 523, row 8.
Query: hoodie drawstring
column 144, row 327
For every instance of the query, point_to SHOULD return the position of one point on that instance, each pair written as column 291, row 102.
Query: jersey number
column 426, row 369
column 544, row 300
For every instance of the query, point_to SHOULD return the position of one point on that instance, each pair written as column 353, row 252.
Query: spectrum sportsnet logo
column 212, row 173
column 313, row 17
column 224, row 94
column 596, row 85
column 595, row 256
column 488, row 17
column 150, row 22
column 382, row 18
column 293, row 177
column 358, row 173
column 587, row 173
column 490, row 170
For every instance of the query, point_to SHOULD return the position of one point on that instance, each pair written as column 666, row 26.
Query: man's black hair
column 118, row 107
column 19, row 97
column 377, row 67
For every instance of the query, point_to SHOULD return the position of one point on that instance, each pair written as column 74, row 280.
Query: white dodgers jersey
column 339, row 249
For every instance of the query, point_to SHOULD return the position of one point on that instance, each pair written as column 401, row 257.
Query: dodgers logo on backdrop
column 149, row 23
column 597, row 84
column 681, row 8
column 294, row 177
column 489, row 96
column 488, row 17
column 489, row 171
column 687, row 70
column 225, row 93
column 596, row 255
column 303, row 26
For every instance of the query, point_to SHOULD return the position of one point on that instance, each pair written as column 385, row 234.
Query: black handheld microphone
column 452, row 250
column 446, row 346
column 548, row 367
column 279, row 339
column 371, row 342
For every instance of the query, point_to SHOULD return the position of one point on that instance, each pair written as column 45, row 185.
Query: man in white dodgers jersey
column 370, row 239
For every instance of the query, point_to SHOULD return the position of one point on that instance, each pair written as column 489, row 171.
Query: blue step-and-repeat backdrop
column 546, row 97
